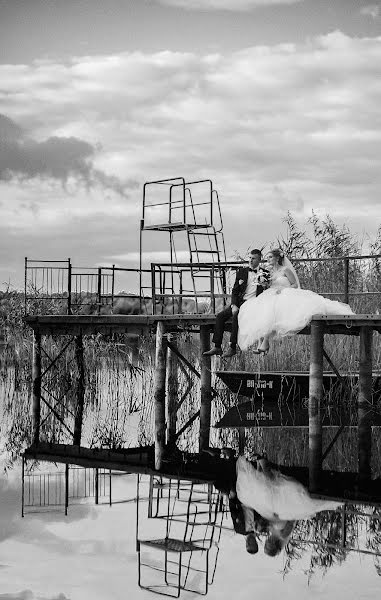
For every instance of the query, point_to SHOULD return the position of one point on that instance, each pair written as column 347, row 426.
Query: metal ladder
column 207, row 246
column 195, row 222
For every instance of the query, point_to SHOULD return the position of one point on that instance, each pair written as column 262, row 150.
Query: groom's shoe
column 216, row 351
column 231, row 351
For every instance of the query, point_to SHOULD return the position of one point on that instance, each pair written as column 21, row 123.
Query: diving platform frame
column 162, row 326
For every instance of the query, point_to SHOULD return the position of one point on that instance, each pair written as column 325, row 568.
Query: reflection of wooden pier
column 162, row 325
column 189, row 210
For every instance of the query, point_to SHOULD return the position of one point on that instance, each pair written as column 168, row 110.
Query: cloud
column 148, row 257
column 24, row 595
column 11, row 525
column 372, row 10
column 59, row 158
column 289, row 126
column 28, row 595
column 232, row 5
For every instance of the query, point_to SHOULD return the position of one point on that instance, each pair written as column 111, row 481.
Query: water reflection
column 272, row 502
column 273, row 514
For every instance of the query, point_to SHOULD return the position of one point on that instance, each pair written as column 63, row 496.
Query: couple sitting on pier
column 268, row 303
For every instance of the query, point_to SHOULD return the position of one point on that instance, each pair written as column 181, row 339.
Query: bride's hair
column 279, row 255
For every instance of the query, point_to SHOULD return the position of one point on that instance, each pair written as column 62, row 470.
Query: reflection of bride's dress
column 276, row 497
column 282, row 310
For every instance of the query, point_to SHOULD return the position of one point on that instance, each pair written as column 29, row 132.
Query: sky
column 277, row 101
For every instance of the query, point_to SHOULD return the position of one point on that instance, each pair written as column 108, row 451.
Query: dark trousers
column 219, row 327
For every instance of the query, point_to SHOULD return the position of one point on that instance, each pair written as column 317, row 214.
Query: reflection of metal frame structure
column 193, row 515
column 55, row 489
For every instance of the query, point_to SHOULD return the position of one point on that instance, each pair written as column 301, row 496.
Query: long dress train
column 277, row 498
column 282, row 310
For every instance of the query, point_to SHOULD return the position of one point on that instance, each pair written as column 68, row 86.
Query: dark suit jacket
column 240, row 285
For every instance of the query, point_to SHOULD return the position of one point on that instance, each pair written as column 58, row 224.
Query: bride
column 283, row 309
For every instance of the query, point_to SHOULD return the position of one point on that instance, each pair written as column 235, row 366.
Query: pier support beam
column 315, row 396
column 364, row 405
column 36, row 383
column 172, row 391
column 159, row 393
column 67, row 466
column 80, row 390
column 206, row 388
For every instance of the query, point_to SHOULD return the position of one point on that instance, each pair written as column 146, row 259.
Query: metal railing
column 343, row 278
column 57, row 287
column 177, row 207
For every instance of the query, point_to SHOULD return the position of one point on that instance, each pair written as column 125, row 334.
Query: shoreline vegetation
column 119, row 377
column 119, row 371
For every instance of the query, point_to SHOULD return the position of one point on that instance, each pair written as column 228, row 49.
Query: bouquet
column 264, row 279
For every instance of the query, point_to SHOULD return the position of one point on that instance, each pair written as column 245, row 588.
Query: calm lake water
column 92, row 551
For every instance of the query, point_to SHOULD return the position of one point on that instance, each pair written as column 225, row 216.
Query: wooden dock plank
column 142, row 324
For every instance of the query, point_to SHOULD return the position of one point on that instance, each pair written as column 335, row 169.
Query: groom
column 250, row 281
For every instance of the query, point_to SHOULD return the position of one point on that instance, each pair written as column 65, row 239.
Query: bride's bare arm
column 291, row 277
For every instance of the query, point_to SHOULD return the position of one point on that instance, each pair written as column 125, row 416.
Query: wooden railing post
column 112, row 286
column 66, row 488
column 346, row 280
column 180, row 305
column 80, row 390
column 99, row 289
column 25, row 286
column 172, row 392
column 96, row 485
column 36, row 393
column 206, row 388
column 153, row 288
column 159, row 393
column 315, row 396
column 364, row 405
column 212, row 290
column 68, row 286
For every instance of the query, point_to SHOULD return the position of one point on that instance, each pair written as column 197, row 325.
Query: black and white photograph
column 190, row 299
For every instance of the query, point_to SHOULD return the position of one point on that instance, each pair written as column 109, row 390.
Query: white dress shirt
column 252, row 284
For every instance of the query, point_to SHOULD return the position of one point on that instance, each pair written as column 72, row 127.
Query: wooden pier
column 163, row 327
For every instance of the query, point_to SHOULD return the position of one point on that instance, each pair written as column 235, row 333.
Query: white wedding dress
column 276, row 497
column 282, row 310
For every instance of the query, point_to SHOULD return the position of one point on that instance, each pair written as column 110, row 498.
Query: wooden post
column 343, row 527
column 364, row 405
column 241, row 439
column 96, row 485
column 66, row 488
column 69, row 286
column 99, row 290
column 346, row 280
column 315, row 395
column 23, row 484
column 206, row 388
column 159, row 393
column 36, row 394
column 172, row 392
column 80, row 390
column 241, row 430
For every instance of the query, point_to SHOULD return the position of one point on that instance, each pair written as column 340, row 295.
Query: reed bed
column 319, row 540
column 119, row 371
